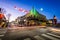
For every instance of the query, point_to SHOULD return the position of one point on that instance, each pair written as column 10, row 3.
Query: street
column 29, row 19
column 31, row 33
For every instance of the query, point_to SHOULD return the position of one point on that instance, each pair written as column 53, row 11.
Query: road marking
column 56, row 33
column 0, row 39
column 50, row 37
column 2, row 32
column 1, row 35
column 27, row 39
column 53, row 35
column 39, row 37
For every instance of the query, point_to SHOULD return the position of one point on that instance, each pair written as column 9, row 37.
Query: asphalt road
column 2, row 32
column 35, row 34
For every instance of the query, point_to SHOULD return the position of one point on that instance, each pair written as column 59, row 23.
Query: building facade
column 33, row 18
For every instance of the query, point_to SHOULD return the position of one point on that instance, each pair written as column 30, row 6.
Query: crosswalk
column 2, row 32
column 53, row 35
column 41, row 36
column 47, row 36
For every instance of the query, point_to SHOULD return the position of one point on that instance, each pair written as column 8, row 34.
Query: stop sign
column 1, row 16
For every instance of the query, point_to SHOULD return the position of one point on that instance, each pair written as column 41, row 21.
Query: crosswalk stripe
column 50, row 37
column 1, row 35
column 39, row 37
column 56, row 33
column 53, row 35
column 2, row 32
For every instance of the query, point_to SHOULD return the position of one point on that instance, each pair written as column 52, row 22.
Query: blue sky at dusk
column 50, row 7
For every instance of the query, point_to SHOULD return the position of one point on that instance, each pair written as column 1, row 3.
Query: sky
column 49, row 8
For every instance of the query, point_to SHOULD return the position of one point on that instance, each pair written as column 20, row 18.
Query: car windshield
column 29, row 19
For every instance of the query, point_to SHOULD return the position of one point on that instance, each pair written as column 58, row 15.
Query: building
column 50, row 22
column 54, row 20
column 33, row 18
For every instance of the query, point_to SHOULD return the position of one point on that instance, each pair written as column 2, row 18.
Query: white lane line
column 50, row 37
column 27, row 39
column 1, row 35
column 3, row 32
column 53, row 35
